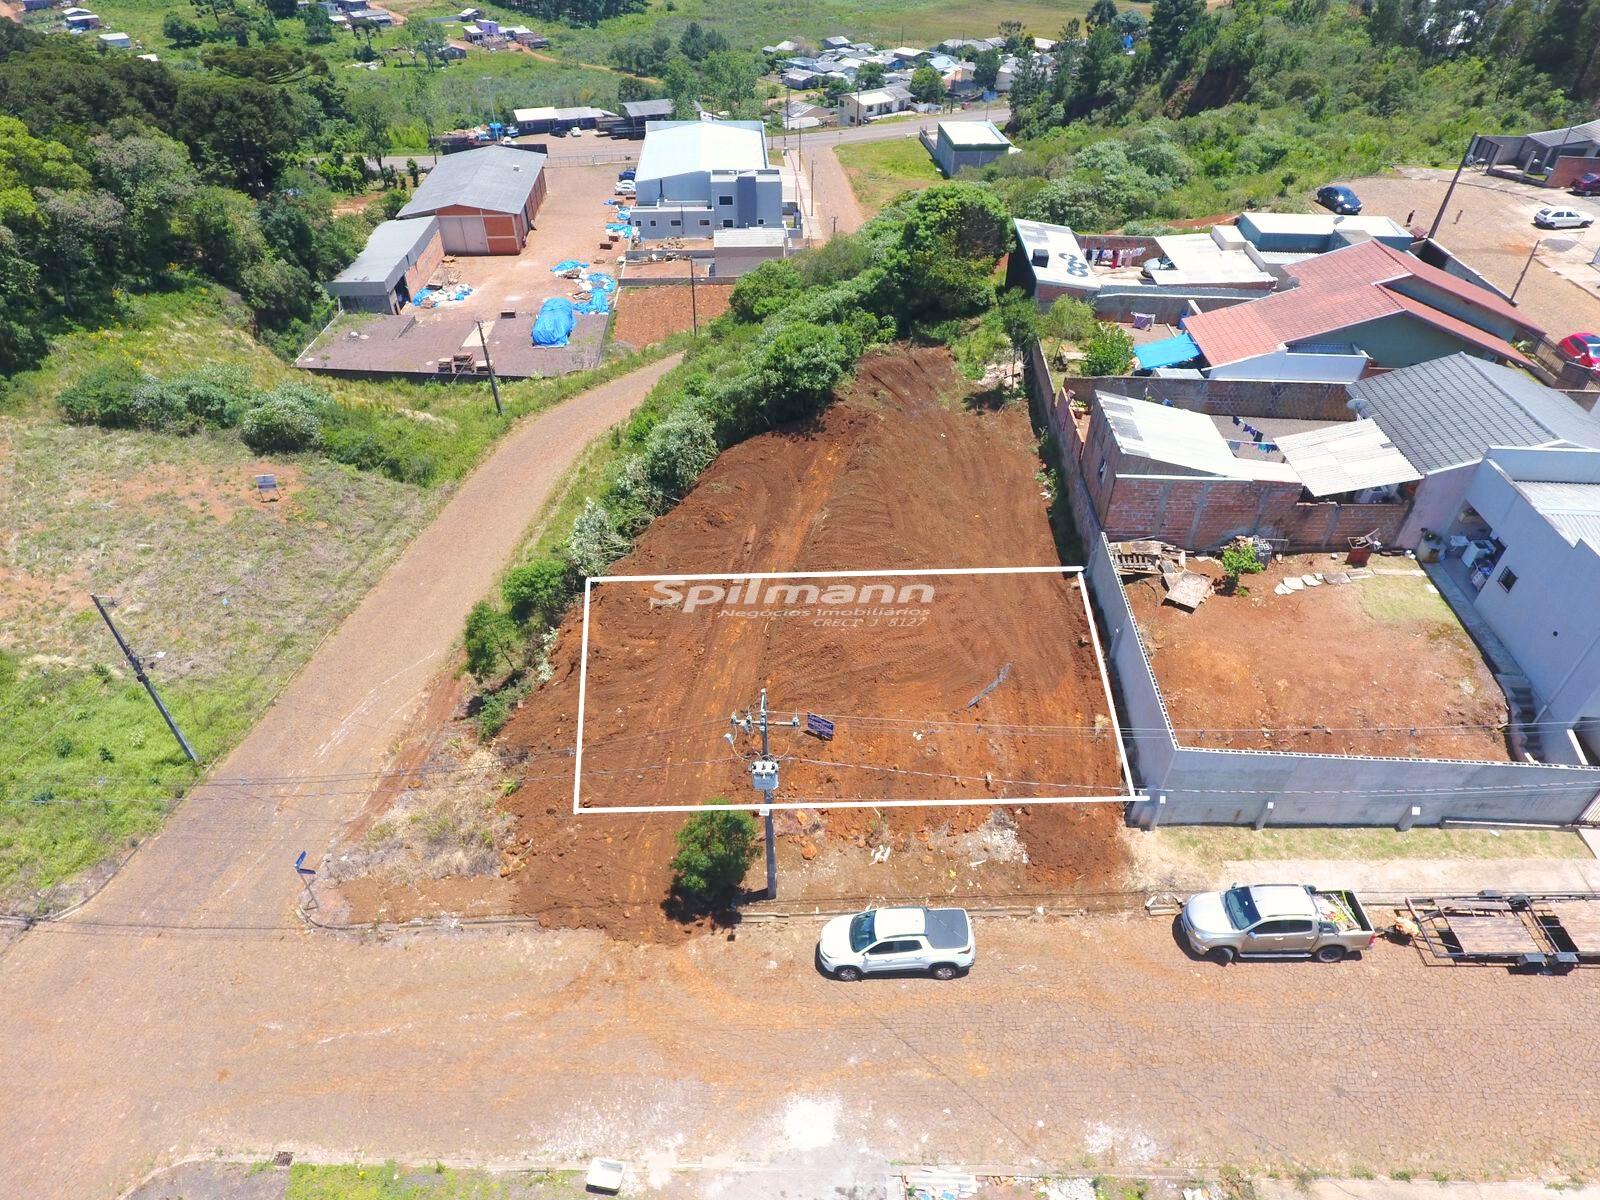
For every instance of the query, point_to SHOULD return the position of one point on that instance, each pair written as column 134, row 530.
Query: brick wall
column 1227, row 397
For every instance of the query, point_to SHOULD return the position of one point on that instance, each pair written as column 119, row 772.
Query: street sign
column 821, row 726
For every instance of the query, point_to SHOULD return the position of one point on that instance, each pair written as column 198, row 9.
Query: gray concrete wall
column 1233, row 787
column 1226, row 397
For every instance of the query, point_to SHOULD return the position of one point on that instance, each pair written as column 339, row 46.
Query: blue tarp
column 568, row 264
column 553, row 325
column 1168, row 352
column 600, row 298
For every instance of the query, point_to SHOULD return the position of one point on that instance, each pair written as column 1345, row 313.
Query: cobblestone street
column 1075, row 1043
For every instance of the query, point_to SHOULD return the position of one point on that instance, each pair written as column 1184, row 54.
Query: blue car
column 1339, row 199
column 628, row 174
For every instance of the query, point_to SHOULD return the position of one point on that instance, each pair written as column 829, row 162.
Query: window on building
column 675, row 221
column 761, row 220
column 727, row 224
column 704, row 222
column 724, row 199
column 1508, row 579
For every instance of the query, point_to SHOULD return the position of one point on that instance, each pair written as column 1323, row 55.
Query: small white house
column 115, row 41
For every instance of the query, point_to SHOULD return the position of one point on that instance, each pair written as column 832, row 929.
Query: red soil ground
column 1379, row 666
column 894, row 475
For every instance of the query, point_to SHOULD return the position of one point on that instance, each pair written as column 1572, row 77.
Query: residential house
column 637, row 115
column 1257, row 251
column 485, row 199
column 1048, row 263
column 695, row 177
column 907, row 55
column 79, row 20
column 1196, row 480
column 1361, row 307
column 961, row 144
column 1446, row 414
column 798, row 78
column 862, row 107
column 1529, row 523
column 778, row 51
column 114, row 41
column 398, row 260
column 534, row 120
column 836, row 42
column 801, row 114
column 1555, row 156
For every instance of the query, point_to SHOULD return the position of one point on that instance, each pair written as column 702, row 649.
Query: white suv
column 935, row 940
column 1562, row 218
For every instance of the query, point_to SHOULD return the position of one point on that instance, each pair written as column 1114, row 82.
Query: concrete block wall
column 1186, row 785
column 1227, row 397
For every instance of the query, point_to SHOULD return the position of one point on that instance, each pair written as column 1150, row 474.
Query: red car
column 1582, row 349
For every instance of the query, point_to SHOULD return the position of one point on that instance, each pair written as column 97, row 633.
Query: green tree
column 238, row 130
column 181, row 31
column 319, row 25
column 761, row 292
column 1101, row 12
column 1170, row 23
column 491, row 641
column 926, row 86
column 715, row 849
column 871, row 75
column 1109, row 351
column 537, row 591
column 1019, row 317
column 986, row 69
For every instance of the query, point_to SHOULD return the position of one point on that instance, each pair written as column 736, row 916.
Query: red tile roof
column 1338, row 290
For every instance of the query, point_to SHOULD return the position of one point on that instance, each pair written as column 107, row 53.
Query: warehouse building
column 961, row 144
column 399, row 258
column 696, row 177
column 485, row 200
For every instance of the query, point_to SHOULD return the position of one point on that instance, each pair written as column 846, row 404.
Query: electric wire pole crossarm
column 764, row 777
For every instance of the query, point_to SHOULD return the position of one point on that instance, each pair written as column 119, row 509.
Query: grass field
column 880, row 171
column 227, row 595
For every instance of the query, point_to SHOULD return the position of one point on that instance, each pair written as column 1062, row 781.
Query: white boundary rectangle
column 591, row 581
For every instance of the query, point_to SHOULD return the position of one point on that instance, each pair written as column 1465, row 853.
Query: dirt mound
column 896, row 475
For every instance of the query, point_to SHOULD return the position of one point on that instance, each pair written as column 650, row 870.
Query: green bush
column 763, row 291
column 1071, row 320
column 677, row 450
column 595, row 542
column 491, row 640
column 1239, row 558
column 1109, row 351
column 715, row 849
column 538, row 591
column 288, row 418
column 371, row 439
column 104, row 396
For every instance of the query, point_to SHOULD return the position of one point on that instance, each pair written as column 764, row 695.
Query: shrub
column 1071, row 320
column 537, row 591
column 288, row 418
column 715, row 849
column 594, row 543
column 104, row 396
column 371, row 439
column 1239, row 558
column 800, row 365
column 763, row 291
column 677, row 450
column 1109, row 351
column 491, row 640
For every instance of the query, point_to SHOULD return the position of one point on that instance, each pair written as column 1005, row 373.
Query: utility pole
column 494, row 384
column 764, row 778
column 138, row 673
column 1525, row 266
column 1438, row 217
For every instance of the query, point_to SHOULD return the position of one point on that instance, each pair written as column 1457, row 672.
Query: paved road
column 588, row 149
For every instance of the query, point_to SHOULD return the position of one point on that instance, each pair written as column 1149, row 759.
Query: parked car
column 625, row 187
column 1278, row 920
column 1582, row 349
column 1339, row 199
column 936, row 940
column 558, row 131
column 1586, row 185
column 1562, row 218
column 627, row 176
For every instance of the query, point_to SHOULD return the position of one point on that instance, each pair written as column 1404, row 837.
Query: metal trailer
column 1539, row 933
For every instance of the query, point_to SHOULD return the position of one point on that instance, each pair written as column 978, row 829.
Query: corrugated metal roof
column 1587, row 132
column 1573, row 508
column 680, row 147
column 1346, row 458
column 647, row 108
column 1182, row 438
column 496, row 178
column 391, row 248
column 1448, row 412
column 972, row 133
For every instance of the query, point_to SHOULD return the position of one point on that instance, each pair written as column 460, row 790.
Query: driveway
column 1077, row 1043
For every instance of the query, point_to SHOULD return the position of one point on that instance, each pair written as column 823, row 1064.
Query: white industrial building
column 695, row 177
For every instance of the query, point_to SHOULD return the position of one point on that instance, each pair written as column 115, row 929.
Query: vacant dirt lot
column 646, row 315
column 1379, row 666
column 896, row 475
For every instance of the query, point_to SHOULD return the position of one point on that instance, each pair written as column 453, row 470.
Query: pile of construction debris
column 1185, row 588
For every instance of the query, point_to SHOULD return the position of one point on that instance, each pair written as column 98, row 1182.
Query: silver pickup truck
column 1277, row 920
column 935, row 940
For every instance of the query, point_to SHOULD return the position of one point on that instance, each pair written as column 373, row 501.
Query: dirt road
column 1081, row 1043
